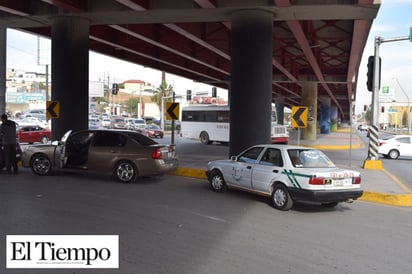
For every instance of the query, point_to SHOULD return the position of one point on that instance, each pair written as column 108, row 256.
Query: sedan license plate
column 338, row 182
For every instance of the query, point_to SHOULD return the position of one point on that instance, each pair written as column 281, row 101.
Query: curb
column 368, row 196
column 387, row 199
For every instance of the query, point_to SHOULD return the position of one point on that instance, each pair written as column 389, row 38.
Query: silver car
column 124, row 154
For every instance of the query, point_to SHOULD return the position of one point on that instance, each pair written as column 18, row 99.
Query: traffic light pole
column 373, row 162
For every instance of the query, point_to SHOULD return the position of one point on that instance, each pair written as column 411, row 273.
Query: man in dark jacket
column 8, row 137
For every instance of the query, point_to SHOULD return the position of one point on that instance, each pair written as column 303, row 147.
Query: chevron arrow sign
column 299, row 116
column 172, row 111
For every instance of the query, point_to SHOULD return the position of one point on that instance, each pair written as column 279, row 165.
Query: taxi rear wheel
column 281, row 198
column 41, row 164
column 217, row 183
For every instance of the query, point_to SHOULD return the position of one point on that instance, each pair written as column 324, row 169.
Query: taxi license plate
column 338, row 182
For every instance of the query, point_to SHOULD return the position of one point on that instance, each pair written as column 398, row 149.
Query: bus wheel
column 204, row 138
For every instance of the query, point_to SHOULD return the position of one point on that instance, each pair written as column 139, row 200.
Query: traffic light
column 188, row 95
column 365, row 107
column 214, row 92
column 369, row 82
column 382, row 108
column 115, row 89
column 371, row 71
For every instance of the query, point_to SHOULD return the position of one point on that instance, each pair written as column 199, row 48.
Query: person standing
column 8, row 136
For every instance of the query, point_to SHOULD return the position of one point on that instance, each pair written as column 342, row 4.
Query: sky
column 394, row 19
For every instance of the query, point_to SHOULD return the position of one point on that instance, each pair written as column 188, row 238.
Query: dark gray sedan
column 125, row 154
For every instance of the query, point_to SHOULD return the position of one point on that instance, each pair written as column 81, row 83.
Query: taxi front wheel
column 217, row 183
column 281, row 198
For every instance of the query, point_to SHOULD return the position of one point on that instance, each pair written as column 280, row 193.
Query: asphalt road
column 174, row 224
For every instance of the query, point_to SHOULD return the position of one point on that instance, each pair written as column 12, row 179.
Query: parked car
column 38, row 113
column 394, row 146
column 363, row 127
column 154, row 131
column 118, row 123
column 124, row 154
column 287, row 174
column 32, row 121
column 18, row 155
column 139, row 125
column 106, row 121
column 33, row 133
column 94, row 123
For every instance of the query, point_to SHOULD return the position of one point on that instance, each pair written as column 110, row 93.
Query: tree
column 368, row 116
column 131, row 105
column 163, row 90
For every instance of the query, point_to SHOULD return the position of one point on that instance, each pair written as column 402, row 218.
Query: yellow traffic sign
column 172, row 111
column 299, row 116
column 52, row 109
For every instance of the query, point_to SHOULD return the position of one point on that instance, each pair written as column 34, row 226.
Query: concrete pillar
column 3, row 69
column 280, row 109
column 325, row 112
column 310, row 99
column 334, row 118
column 251, row 79
column 70, row 73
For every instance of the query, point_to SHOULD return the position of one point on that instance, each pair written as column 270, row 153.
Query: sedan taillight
column 317, row 181
column 157, row 154
column 356, row 180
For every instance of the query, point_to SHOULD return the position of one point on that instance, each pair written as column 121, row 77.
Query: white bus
column 211, row 123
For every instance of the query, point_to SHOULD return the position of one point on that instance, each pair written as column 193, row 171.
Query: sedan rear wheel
column 44, row 140
column 217, row 183
column 281, row 198
column 125, row 172
column 41, row 164
column 393, row 154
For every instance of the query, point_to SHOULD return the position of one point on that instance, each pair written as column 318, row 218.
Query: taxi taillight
column 317, row 181
column 356, row 180
column 157, row 154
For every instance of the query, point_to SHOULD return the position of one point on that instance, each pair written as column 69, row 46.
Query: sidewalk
column 379, row 185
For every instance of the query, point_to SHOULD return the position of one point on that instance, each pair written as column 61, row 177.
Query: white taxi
column 287, row 174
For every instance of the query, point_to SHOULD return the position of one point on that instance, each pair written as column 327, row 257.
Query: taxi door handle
column 249, row 167
column 275, row 171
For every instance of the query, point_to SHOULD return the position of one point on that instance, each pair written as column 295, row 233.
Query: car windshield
column 303, row 158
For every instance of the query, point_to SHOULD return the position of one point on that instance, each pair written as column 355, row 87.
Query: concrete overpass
column 292, row 52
